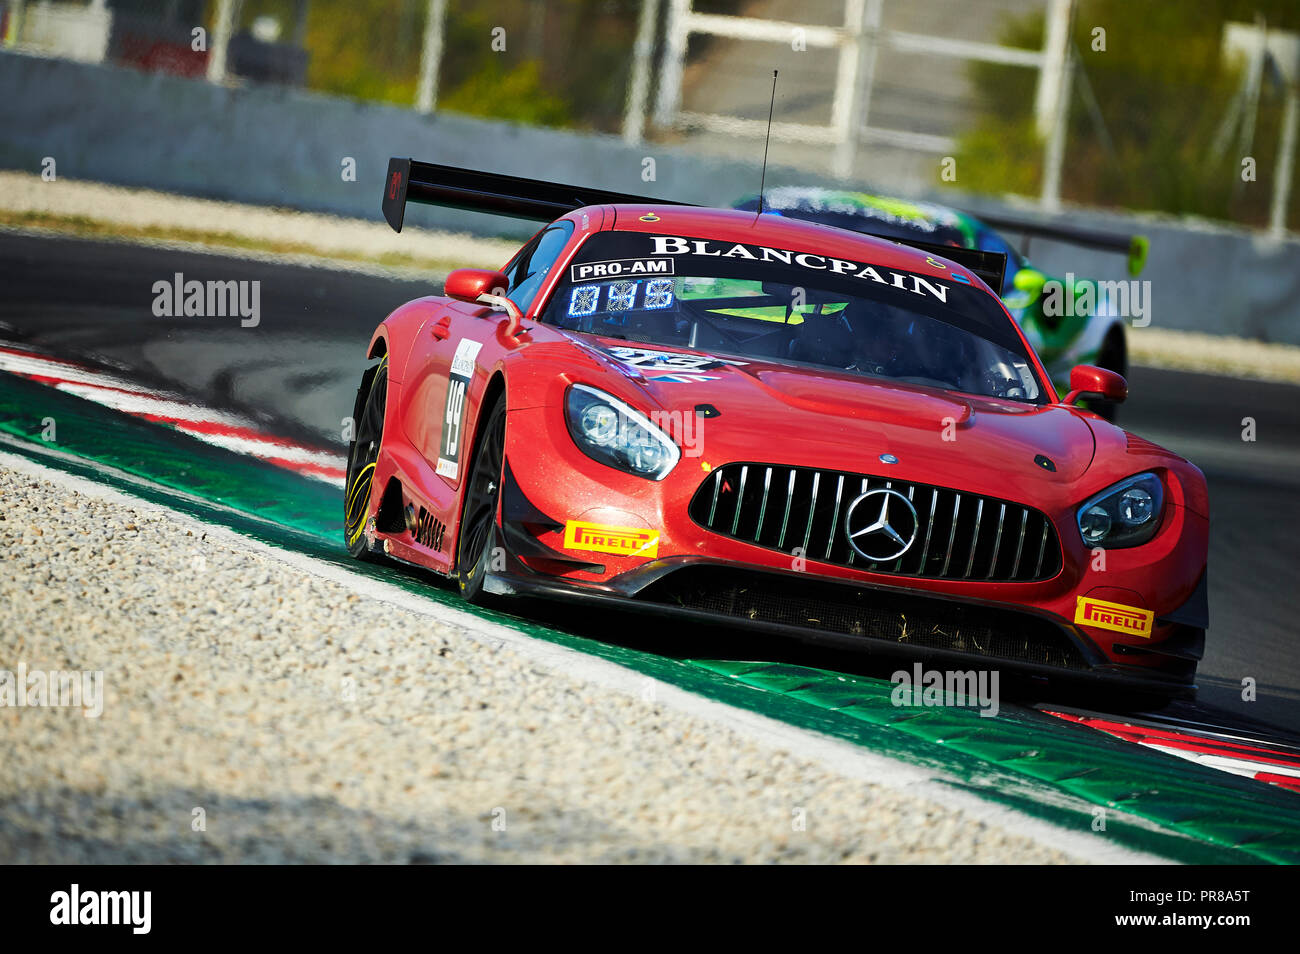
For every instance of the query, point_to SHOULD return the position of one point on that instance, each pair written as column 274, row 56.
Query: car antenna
column 766, row 139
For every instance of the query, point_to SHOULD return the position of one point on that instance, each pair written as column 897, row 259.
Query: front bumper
column 887, row 622
column 1028, row 624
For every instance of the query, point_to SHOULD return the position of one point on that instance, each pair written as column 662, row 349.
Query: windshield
column 752, row 301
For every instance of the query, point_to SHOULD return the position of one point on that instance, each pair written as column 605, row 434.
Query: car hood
column 782, row 413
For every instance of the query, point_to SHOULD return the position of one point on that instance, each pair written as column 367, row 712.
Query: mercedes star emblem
column 885, row 533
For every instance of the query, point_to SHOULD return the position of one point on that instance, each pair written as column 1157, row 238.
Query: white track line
column 844, row 758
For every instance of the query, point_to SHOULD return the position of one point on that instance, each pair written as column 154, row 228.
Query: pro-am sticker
column 453, row 413
column 620, row 268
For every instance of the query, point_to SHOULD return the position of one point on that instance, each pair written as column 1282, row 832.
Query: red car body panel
column 773, row 413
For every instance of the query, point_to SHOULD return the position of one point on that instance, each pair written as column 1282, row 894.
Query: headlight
column 1125, row 515
column 609, row 431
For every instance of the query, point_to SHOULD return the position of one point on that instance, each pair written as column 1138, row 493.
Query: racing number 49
column 455, row 402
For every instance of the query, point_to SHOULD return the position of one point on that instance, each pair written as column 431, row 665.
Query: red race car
column 755, row 421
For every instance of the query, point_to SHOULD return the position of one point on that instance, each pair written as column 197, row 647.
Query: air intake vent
column 1140, row 445
column 911, row 620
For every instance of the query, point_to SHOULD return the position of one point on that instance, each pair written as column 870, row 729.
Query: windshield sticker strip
column 924, row 286
column 620, row 267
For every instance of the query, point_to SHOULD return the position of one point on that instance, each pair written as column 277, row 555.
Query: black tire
column 1113, row 357
column 476, row 533
column 363, row 452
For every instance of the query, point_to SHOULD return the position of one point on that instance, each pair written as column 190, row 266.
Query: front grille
column 959, row 536
column 904, row 619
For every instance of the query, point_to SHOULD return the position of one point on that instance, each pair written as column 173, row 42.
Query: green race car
column 1066, row 326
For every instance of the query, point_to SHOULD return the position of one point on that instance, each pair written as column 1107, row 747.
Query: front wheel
column 478, row 515
column 363, row 454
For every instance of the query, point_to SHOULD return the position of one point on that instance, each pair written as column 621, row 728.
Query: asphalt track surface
column 298, row 370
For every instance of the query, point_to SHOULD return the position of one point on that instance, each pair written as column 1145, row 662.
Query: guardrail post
column 1052, row 104
column 670, row 72
column 426, row 93
column 1052, row 88
column 1054, row 150
column 227, row 17
column 638, row 90
column 856, row 81
column 1285, row 162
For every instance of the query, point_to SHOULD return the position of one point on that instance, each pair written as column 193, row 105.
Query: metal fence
column 855, row 42
column 870, row 90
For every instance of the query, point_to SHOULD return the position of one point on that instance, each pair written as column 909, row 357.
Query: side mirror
column 1088, row 381
column 469, row 284
column 481, row 286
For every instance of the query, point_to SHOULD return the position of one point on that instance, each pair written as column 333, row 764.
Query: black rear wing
column 1133, row 247
column 429, row 183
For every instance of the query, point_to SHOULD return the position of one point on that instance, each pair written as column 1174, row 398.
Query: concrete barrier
column 286, row 147
column 279, row 146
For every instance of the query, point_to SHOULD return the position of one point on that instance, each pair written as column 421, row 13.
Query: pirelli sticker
column 453, row 413
column 602, row 538
column 1122, row 619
